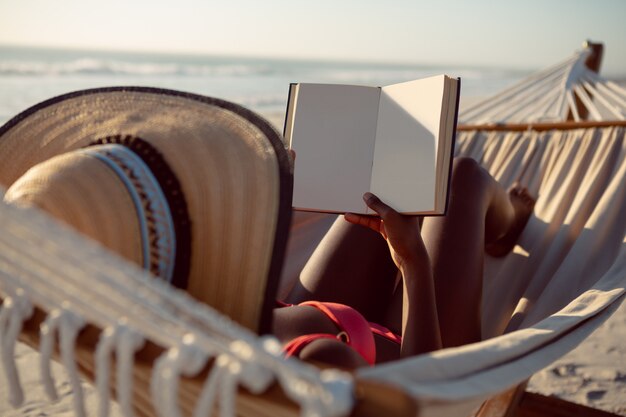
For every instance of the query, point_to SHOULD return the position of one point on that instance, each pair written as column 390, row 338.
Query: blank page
column 333, row 135
column 403, row 174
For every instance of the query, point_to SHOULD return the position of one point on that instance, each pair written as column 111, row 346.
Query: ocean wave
column 297, row 71
column 391, row 75
column 89, row 66
column 261, row 101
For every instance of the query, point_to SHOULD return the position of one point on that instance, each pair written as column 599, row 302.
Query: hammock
column 547, row 295
column 564, row 278
column 570, row 90
column 576, row 169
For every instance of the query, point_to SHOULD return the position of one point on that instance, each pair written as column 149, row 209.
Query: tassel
column 15, row 310
column 103, row 368
column 228, row 385
column 69, row 326
column 47, row 330
column 128, row 342
column 185, row 359
column 251, row 373
column 240, row 365
column 206, row 400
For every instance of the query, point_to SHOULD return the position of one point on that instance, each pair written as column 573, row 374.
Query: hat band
column 158, row 236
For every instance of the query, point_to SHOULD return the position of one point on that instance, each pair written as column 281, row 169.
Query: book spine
column 289, row 114
column 453, row 144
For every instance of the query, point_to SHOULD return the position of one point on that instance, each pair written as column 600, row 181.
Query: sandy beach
column 593, row 374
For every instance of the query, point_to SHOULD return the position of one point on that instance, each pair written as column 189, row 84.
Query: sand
column 593, row 374
column 36, row 403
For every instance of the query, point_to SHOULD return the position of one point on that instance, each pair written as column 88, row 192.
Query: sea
column 30, row 75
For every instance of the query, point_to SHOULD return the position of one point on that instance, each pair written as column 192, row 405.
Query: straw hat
column 194, row 189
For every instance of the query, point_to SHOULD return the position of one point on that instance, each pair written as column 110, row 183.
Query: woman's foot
column 523, row 204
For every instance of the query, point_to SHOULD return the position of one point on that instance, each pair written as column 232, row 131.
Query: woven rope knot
column 339, row 396
column 186, row 359
column 252, row 374
column 327, row 393
column 24, row 308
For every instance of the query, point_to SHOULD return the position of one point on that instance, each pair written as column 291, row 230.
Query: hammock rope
column 552, row 95
column 14, row 311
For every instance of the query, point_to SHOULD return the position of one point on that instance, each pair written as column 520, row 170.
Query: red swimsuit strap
column 385, row 332
column 350, row 321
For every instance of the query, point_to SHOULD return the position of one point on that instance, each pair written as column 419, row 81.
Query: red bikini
column 354, row 331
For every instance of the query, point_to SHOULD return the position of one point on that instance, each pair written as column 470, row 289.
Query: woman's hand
column 420, row 322
column 402, row 233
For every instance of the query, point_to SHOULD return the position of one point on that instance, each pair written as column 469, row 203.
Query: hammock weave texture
column 551, row 95
column 562, row 280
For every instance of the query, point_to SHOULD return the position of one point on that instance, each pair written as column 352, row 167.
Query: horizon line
column 272, row 57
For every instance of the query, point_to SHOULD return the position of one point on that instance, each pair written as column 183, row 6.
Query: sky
column 525, row 34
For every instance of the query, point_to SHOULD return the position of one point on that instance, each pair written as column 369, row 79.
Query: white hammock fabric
column 566, row 275
column 550, row 95
column 569, row 266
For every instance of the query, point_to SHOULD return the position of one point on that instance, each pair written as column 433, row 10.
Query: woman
column 422, row 280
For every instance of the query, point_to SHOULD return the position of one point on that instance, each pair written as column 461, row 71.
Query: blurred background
column 249, row 51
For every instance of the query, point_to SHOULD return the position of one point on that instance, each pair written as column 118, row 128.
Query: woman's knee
column 468, row 176
column 470, row 184
column 465, row 169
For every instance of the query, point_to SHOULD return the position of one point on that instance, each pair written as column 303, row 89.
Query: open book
column 394, row 141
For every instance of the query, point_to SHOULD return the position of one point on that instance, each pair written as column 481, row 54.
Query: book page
column 333, row 134
column 404, row 170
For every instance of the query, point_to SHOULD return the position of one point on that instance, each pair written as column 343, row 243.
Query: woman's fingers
column 373, row 223
column 388, row 216
column 401, row 232
column 394, row 225
column 386, row 213
column 375, row 204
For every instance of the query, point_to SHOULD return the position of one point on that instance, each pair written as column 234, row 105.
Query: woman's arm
column 420, row 324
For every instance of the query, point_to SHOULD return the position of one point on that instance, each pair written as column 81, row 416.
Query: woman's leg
column 352, row 266
column 480, row 212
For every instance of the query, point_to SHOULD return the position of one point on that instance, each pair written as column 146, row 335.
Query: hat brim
column 17, row 156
